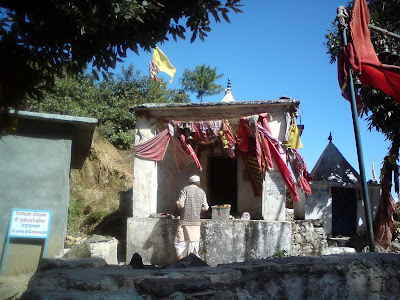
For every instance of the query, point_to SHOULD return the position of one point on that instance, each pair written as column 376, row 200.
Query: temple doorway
column 344, row 211
column 222, row 181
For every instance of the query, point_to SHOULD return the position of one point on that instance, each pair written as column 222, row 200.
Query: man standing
column 192, row 201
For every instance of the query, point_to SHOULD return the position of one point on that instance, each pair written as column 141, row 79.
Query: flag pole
column 343, row 26
column 384, row 31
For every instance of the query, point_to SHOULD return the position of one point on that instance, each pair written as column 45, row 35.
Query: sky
column 275, row 48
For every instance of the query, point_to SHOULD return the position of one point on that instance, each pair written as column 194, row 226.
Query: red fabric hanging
column 276, row 155
column 182, row 159
column 346, row 56
column 243, row 135
column 189, row 150
column 300, row 171
column 371, row 71
column 384, row 227
column 266, row 160
column 154, row 148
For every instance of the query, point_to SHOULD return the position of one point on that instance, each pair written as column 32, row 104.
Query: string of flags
column 161, row 63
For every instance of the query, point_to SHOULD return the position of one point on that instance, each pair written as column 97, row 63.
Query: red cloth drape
column 189, row 150
column 276, row 155
column 154, row 148
column 384, row 219
column 300, row 171
column 346, row 56
column 366, row 63
column 182, row 159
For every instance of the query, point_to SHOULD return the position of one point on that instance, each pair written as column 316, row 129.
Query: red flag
column 371, row 71
column 345, row 57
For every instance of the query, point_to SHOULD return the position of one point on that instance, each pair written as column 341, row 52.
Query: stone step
column 338, row 250
column 338, row 241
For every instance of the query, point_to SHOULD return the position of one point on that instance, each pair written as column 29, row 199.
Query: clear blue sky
column 275, row 48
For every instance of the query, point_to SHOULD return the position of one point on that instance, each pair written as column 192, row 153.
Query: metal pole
column 384, row 31
column 364, row 187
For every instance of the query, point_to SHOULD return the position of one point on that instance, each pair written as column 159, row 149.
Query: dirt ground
column 11, row 287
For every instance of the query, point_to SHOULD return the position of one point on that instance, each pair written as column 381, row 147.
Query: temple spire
column 228, row 93
column 330, row 137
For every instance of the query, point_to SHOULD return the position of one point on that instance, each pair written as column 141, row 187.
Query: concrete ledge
column 222, row 241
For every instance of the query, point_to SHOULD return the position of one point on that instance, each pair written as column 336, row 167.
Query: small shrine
column 241, row 150
column 336, row 194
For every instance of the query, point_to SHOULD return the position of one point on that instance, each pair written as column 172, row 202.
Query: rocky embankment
column 347, row 276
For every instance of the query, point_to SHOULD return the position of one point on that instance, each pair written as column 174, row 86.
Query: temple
column 240, row 150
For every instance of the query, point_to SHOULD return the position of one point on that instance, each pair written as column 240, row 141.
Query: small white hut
column 336, row 195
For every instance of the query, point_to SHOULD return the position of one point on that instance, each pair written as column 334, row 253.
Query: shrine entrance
column 222, row 181
column 344, row 211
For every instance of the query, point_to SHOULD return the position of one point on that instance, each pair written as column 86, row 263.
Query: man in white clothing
column 192, row 201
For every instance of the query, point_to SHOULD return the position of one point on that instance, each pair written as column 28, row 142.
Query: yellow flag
column 294, row 141
column 163, row 63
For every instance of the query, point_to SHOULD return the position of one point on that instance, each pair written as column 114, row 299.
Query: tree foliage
column 39, row 39
column 379, row 110
column 201, row 81
column 109, row 100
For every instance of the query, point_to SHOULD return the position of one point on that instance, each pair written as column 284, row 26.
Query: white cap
column 194, row 179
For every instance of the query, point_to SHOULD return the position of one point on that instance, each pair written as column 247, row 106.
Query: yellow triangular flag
column 163, row 63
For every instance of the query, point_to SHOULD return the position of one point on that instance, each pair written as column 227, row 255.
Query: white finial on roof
column 228, row 94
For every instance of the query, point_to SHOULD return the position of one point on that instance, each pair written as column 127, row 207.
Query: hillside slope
column 96, row 188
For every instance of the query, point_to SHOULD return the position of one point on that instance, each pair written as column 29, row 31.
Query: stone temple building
column 336, row 197
column 219, row 142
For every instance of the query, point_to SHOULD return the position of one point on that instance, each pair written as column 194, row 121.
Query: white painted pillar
column 299, row 208
column 273, row 197
column 144, row 173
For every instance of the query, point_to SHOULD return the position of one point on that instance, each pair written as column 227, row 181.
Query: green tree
column 379, row 110
column 109, row 100
column 201, row 81
column 40, row 39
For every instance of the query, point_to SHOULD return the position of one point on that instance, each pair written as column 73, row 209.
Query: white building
column 336, row 195
column 225, row 180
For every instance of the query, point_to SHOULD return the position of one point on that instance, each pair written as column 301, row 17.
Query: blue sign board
column 27, row 223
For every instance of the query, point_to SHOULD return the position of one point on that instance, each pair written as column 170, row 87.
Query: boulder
column 79, row 251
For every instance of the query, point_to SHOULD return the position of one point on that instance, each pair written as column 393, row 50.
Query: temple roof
column 332, row 166
column 214, row 110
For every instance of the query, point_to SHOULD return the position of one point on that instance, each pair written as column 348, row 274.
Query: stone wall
column 308, row 237
column 222, row 241
column 350, row 276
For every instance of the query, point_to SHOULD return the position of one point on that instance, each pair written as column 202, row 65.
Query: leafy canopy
column 201, row 81
column 109, row 101
column 39, row 39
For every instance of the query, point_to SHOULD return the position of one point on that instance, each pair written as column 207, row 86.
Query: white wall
column 144, row 173
column 319, row 205
column 156, row 186
column 374, row 194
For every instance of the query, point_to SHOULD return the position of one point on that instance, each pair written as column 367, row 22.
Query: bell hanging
column 383, row 54
column 393, row 57
column 357, row 83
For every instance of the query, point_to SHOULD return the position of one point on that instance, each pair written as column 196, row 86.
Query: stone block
column 222, row 241
column 106, row 248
